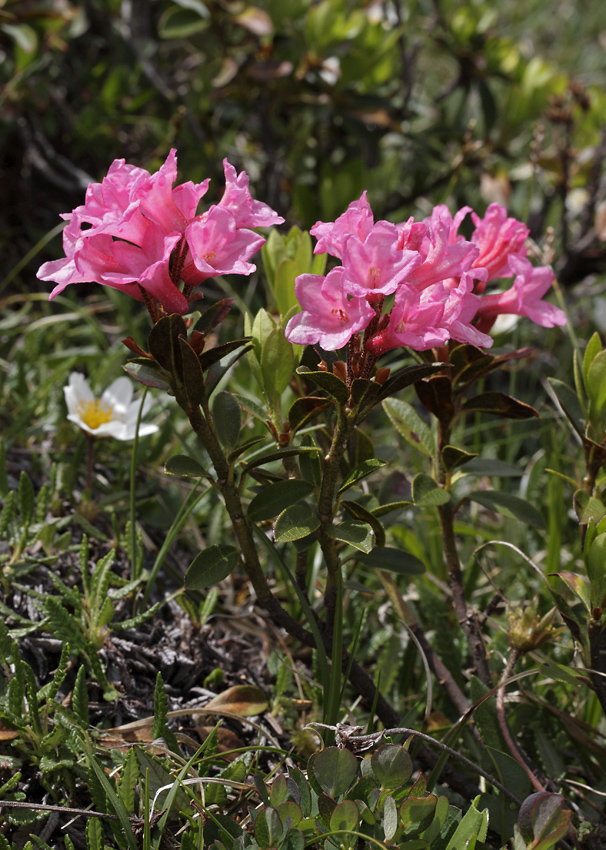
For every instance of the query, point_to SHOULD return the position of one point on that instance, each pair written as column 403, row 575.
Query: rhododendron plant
column 139, row 233
column 438, row 277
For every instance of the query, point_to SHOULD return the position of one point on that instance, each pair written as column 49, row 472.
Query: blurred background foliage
column 420, row 102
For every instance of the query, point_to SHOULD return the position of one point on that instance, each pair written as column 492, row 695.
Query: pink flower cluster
column 438, row 280
column 135, row 232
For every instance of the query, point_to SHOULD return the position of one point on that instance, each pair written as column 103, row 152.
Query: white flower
column 113, row 415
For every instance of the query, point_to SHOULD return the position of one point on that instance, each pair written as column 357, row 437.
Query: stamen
column 95, row 413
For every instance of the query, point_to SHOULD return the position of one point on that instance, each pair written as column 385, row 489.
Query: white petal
column 115, row 429
column 119, row 395
column 145, row 429
column 133, row 410
column 77, row 391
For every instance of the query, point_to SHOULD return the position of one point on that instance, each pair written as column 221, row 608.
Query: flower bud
column 528, row 631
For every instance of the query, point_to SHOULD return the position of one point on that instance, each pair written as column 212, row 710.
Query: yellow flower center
column 94, row 413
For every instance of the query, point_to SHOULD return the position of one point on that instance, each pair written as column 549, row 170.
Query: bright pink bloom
column 524, row 297
column 135, row 227
column 108, row 205
column 415, row 321
column 237, row 199
column 218, row 247
column 460, row 308
column 498, row 239
column 375, row 267
column 357, row 220
column 171, row 209
column 330, row 317
column 444, row 254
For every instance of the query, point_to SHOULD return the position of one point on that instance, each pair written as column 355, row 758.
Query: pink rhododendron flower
column 218, row 247
column 357, row 220
column 237, row 199
column 171, row 209
column 524, row 298
column 444, row 254
column 375, row 267
column 330, row 317
column 436, row 274
column 460, row 308
column 415, row 321
column 498, row 238
column 121, row 265
column 137, row 231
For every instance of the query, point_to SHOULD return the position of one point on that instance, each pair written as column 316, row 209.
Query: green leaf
column 345, row 816
column 80, row 697
column 427, row 493
column 390, row 818
column 356, row 534
column 417, row 813
column 360, row 513
column 268, row 828
column 452, row 457
column 435, row 394
column 163, row 342
column 250, row 406
column 192, row 376
column 262, row 326
column 569, row 403
column 279, row 791
column 212, row 357
column 508, row 505
column 361, row 471
column 394, row 561
column 594, row 346
column 328, row 382
column 365, row 392
column 543, row 820
column 410, row 425
column 3, row 472
column 595, row 387
column 304, row 410
column 488, row 466
column 593, row 508
column 227, row 419
column 499, row 404
column 390, row 507
column 392, row 765
column 211, row 566
column 94, row 834
column 151, row 375
column 26, row 498
column 215, row 314
column 294, row 523
column 277, row 362
column 474, row 823
column 595, row 564
column 244, row 447
column 284, row 285
column 129, row 776
column 469, row 362
column 184, row 466
column 289, row 809
column 408, row 376
column 578, row 585
column 335, row 770
column 278, row 455
column 274, row 498
column 298, row 777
